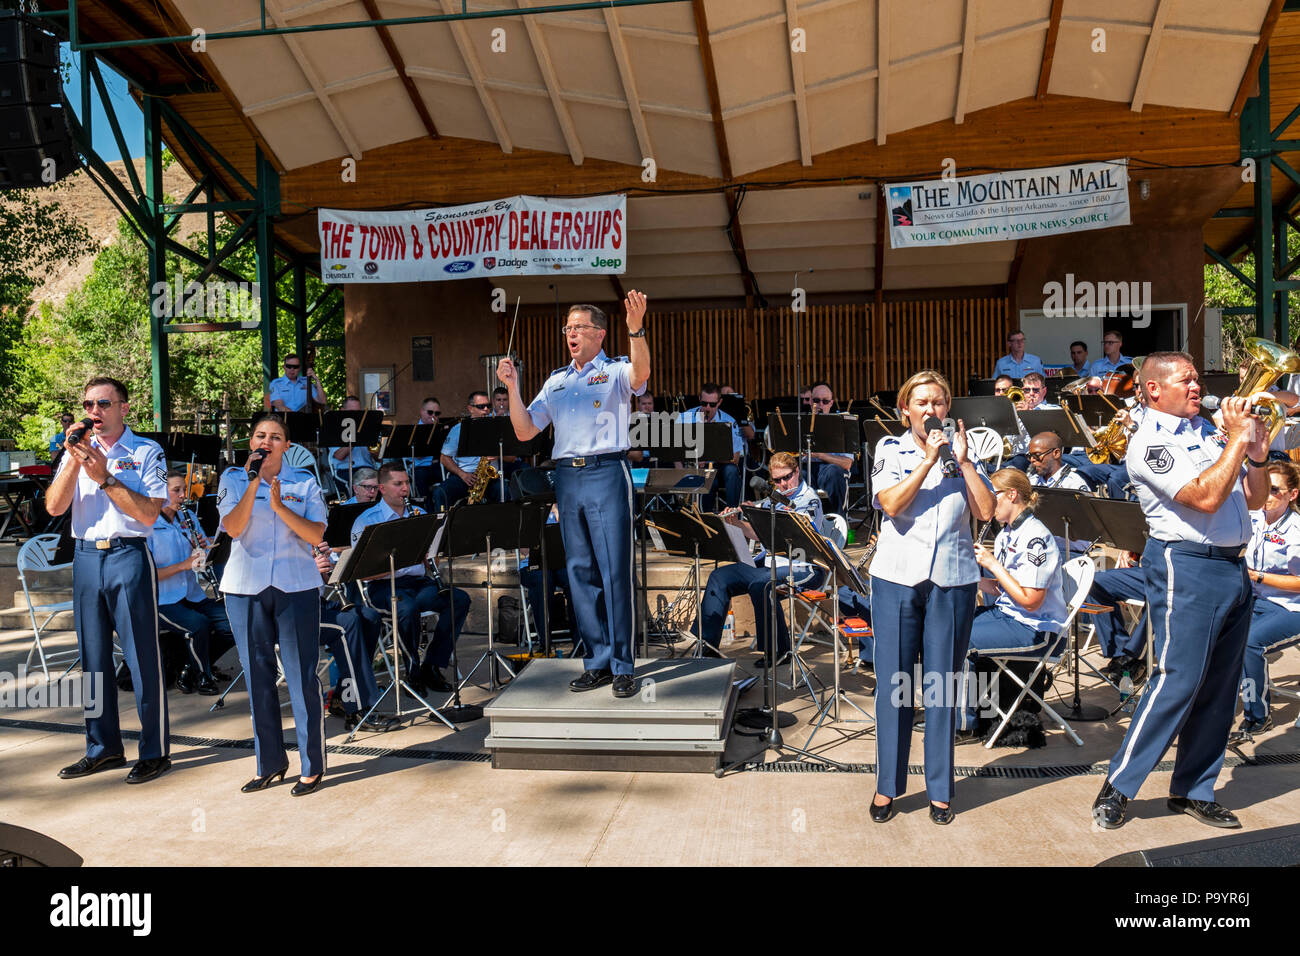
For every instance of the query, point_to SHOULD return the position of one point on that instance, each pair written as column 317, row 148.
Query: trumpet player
column 179, row 554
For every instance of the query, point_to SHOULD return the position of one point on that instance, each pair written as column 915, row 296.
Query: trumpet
column 1015, row 395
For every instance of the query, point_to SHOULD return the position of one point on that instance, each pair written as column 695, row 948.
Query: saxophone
column 485, row 473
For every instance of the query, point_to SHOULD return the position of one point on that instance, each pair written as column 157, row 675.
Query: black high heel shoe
column 942, row 815
column 261, row 783
column 882, row 814
column 301, row 789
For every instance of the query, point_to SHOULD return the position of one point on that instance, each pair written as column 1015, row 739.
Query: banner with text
column 1021, row 204
column 519, row 236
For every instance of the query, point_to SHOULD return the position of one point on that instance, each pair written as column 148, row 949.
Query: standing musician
column 415, row 592
column 1273, row 559
column 593, row 485
column 274, row 516
column 708, row 411
column 1047, row 470
column 1197, row 493
column 923, row 582
column 830, row 473
column 1024, row 567
column 424, row 471
column 288, row 393
column 182, row 605
column 458, row 469
column 735, row 579
column 115, row 483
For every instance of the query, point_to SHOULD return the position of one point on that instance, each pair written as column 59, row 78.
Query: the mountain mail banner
column 1021, row 204
column 519, row 236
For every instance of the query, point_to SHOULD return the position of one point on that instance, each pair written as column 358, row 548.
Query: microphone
column 947, row 462
column 255, row 462
column 776, row 497
column 1211, row 403
column 79, row 431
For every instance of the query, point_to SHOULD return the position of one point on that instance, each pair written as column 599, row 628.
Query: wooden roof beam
column 711, row 84
column 562, row 115
column 399, row 64
column 1049, row 48
column 619, row 45
column 882, row 68
column 1150, row 55
column 475, row 72
column 1251, row 73
column 800, row 94
column 967, row 56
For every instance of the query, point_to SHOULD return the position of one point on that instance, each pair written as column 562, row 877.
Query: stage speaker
column 1278, row 846
column 22, row 847
column 35, row 144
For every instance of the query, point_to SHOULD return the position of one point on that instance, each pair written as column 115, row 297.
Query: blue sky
column 128, row 114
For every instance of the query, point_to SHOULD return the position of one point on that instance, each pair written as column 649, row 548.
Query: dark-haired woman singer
column 272, row 597
column 923, row 582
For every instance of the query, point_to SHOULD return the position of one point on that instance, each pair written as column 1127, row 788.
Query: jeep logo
column 606, row 263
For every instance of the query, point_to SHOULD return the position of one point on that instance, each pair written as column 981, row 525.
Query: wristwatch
column 1259, row 577
column 108, row 482
column 1256, row 464
column 638, row 334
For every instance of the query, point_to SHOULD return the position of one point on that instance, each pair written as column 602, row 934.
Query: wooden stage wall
column 756, row 351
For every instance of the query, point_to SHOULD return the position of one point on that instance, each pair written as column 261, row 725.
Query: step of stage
column 677, row 722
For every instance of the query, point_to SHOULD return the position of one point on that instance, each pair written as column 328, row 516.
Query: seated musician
column 1047, row 470
column 1024, row 568
column 1079, row 364
column 728, row 471
column 1112, row 346
column 1035, row 388
column 415, row 592
column 746, row 427
column 1002, row 384
column 1125, row 649
column 182, row 605
column 731, row 580
column 357, row 457
column 289, row 392
column 853, row 604
column 830, row 473
column 425, row 472
column 365, row 487
column 642, row 405
column 460, row 470
column 530, row 579
column 354, row 690
column 1273, row 562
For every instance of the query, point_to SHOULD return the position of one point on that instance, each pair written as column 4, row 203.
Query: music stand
column 549, row 545
column 736, row 407
column 382, row 548
column 653, row 482
column 780, row 532
column 1098, row 409
column 362, row 428
column 991, row 411
column 338, row 526
column 1057, row 420
column 811, row 433
column 304, row 427
column 491, row 438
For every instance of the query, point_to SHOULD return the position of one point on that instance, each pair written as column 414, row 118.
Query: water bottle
column 729, row 628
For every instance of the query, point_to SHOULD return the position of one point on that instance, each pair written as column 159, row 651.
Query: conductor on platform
column 587, row 401
column 1197, row 487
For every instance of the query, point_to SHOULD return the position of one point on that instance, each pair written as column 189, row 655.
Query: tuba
column 1269, row 361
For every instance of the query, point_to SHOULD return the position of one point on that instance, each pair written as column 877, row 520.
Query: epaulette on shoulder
column 888, row 440
column 232, row 468
column 558, row 370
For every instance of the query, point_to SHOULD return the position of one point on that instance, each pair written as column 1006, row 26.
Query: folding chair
column 986, row 445
column 1274, row 650
column 34, row 557
column 1051, row 652
column 298, row 456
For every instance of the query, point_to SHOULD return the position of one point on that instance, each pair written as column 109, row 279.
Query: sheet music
column 741, row 544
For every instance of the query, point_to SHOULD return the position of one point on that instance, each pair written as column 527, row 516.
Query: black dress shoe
column 434, row 680
column 1253, row 727
column 881, row 814
column 625, row 685
column 301, row 789
column 1207, row 811
column 88, row 765
column 146, row 770
column 378, row 724
column 264, row 781
column 187, row 680
column 761, row 661
column 207, row 686
column 590, row 680
column 942, row 815
column 1108, row 808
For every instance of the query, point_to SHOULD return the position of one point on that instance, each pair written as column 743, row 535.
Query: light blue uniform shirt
column 268, row 554
column 169, row 545
column 1104, row 366
column 450, row 447
column 138, row 464
column 1065, row 477
column 1275, row 549
column 1009, row 366
column 56, row 442
column 360, row 459
column 930, row 540
column 588, row 407
column 378, row 514
column 293, row 394
column 804, row 500
column 1030, row 555
column 1164, row 455
column 696, row 414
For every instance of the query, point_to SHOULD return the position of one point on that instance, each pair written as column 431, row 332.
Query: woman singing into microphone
column 923, row 582
column 274, row 514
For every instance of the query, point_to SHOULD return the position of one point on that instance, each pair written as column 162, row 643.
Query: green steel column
column 156, row 239
column 1261, row 142
column 1280, row 259
column 300, row 338
column 268, row 207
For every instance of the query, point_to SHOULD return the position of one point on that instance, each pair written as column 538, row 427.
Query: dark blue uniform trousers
column 531, row 579
column 595, row 505
column 853, row 604
column 117, row 590
column 929, row 625
column 353, row 652
column 1200, row 612
column 833, row 480
column 415, row 595
column 995, row 631
column 1111, row 588
column 732, row 580
column 260, row 621
column 1270, row 624
column 205, row 627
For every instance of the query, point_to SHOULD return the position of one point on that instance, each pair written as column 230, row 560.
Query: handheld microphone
column 255, row 462
column 79, row 431
column 946, row 461
column 1211, row 403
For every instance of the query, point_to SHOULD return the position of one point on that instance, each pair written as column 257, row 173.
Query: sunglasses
column 782, row 479
column 431, row 413
column 1276, row 491
column 1039, row 455
column 488, row 405
column 103, row 403
column 822, row 401
column 294, row 365
column 1033, row 390
column 710, row 404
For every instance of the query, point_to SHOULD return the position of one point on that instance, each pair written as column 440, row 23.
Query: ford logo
column 460, row 265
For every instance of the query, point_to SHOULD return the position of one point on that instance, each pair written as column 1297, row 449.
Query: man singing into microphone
column 116, row 485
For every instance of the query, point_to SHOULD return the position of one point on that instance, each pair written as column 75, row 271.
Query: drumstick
column 510, row 346
column 651, row 524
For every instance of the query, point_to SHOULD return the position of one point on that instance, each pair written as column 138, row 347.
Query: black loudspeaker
column 22, row 847
column 1277, row 846
column 35, row 145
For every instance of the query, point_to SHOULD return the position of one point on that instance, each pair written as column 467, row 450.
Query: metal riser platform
column 676, row 723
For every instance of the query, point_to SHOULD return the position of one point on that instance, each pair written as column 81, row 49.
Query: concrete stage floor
column 423, row 795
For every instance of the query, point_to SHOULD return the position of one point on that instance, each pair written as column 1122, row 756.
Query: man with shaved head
column 1047, row 470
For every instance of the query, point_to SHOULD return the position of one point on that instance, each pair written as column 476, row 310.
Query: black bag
column 510, row 619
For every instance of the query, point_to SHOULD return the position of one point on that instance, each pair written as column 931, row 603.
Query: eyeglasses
column 1029, row 389
column 782, row 479
column 432, row 413
column 480, row 407
column 369, row 486
column 1040, row 455
column 292, row 365
column 570, row 329
column 103, row 403
column 1275, row 491
column 67, row 421
column 710, row 404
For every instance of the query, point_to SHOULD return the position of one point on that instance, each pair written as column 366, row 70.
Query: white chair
column 297, row 456
column 1046, row 655
column 34, row 558
column 835, row 528
column 986, row 445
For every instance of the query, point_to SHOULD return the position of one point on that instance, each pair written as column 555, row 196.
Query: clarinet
column 334, row 593
column 199, row 541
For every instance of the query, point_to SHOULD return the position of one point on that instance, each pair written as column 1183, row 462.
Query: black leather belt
column 590, row 459
column 1207, row 550
column 109, row 544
